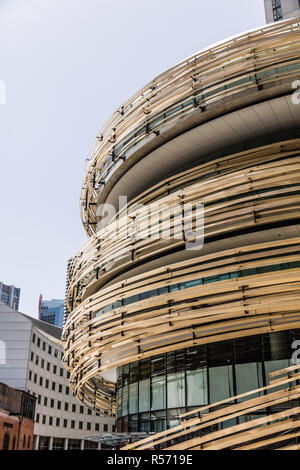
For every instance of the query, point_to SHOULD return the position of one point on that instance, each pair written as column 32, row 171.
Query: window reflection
column 197, row 392
column 176, row 390
column 144, row 395
column 158, row 393
column 151, row 391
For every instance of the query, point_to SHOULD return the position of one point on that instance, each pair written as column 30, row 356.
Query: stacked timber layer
column 246, row 69
column 232, row 294
column 132, row 295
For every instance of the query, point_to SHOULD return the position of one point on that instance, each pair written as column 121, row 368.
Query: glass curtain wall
column 152, row 393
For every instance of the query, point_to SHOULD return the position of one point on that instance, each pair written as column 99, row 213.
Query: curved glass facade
column 153, row 392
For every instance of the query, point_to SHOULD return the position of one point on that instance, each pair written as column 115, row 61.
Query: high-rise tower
column 10, row 295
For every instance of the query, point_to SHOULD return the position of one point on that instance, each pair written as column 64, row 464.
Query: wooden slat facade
column 117, row 316
column 245, row 63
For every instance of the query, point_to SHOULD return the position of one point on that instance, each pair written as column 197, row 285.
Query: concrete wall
column 15, row 332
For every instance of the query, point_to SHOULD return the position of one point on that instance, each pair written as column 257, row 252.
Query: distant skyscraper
column 277, row 10
column 51, row 311
column 10, row 295
column 66, row 309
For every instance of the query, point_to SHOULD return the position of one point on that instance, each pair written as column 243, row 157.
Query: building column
column 99, row 446
column 50, row 443
column 66, row 443
column 36, row 442
column 82, row 444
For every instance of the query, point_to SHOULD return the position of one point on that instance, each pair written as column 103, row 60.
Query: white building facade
column 31, row 360
column 277, row 10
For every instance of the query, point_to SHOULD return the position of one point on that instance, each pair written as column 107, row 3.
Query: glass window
column 133, row 423
column 277, row 348
column 158, row 421
column 158, row 393
column 220, row 359
column 133, row 374
column 197, row 392
column 220, row 383
column 125, row 401
column 119, row 403
column 133, row 398
column 144, row 395
column 144, row 422
column 248, row 360
column 248, row 377
column 173, row 417
column 176, row 390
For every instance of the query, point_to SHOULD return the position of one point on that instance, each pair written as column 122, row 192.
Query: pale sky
column 67, row 65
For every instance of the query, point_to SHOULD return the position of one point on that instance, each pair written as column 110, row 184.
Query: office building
column 66, row 308
column 161, row 323
column 10, row 295
column 31, row 360
column 278, row 10
column 52, row 311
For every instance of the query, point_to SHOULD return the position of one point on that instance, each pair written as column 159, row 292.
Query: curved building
column 159, row 323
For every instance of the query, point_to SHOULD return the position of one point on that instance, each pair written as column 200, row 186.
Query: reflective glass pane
column 248, row 377
column 144, row 395
column 158, row 421
column 197, row 393
column 133, row 398
column 158, row 393
column 176, row 390
column 144, row 424
column 125, row 401
column 220, row 383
